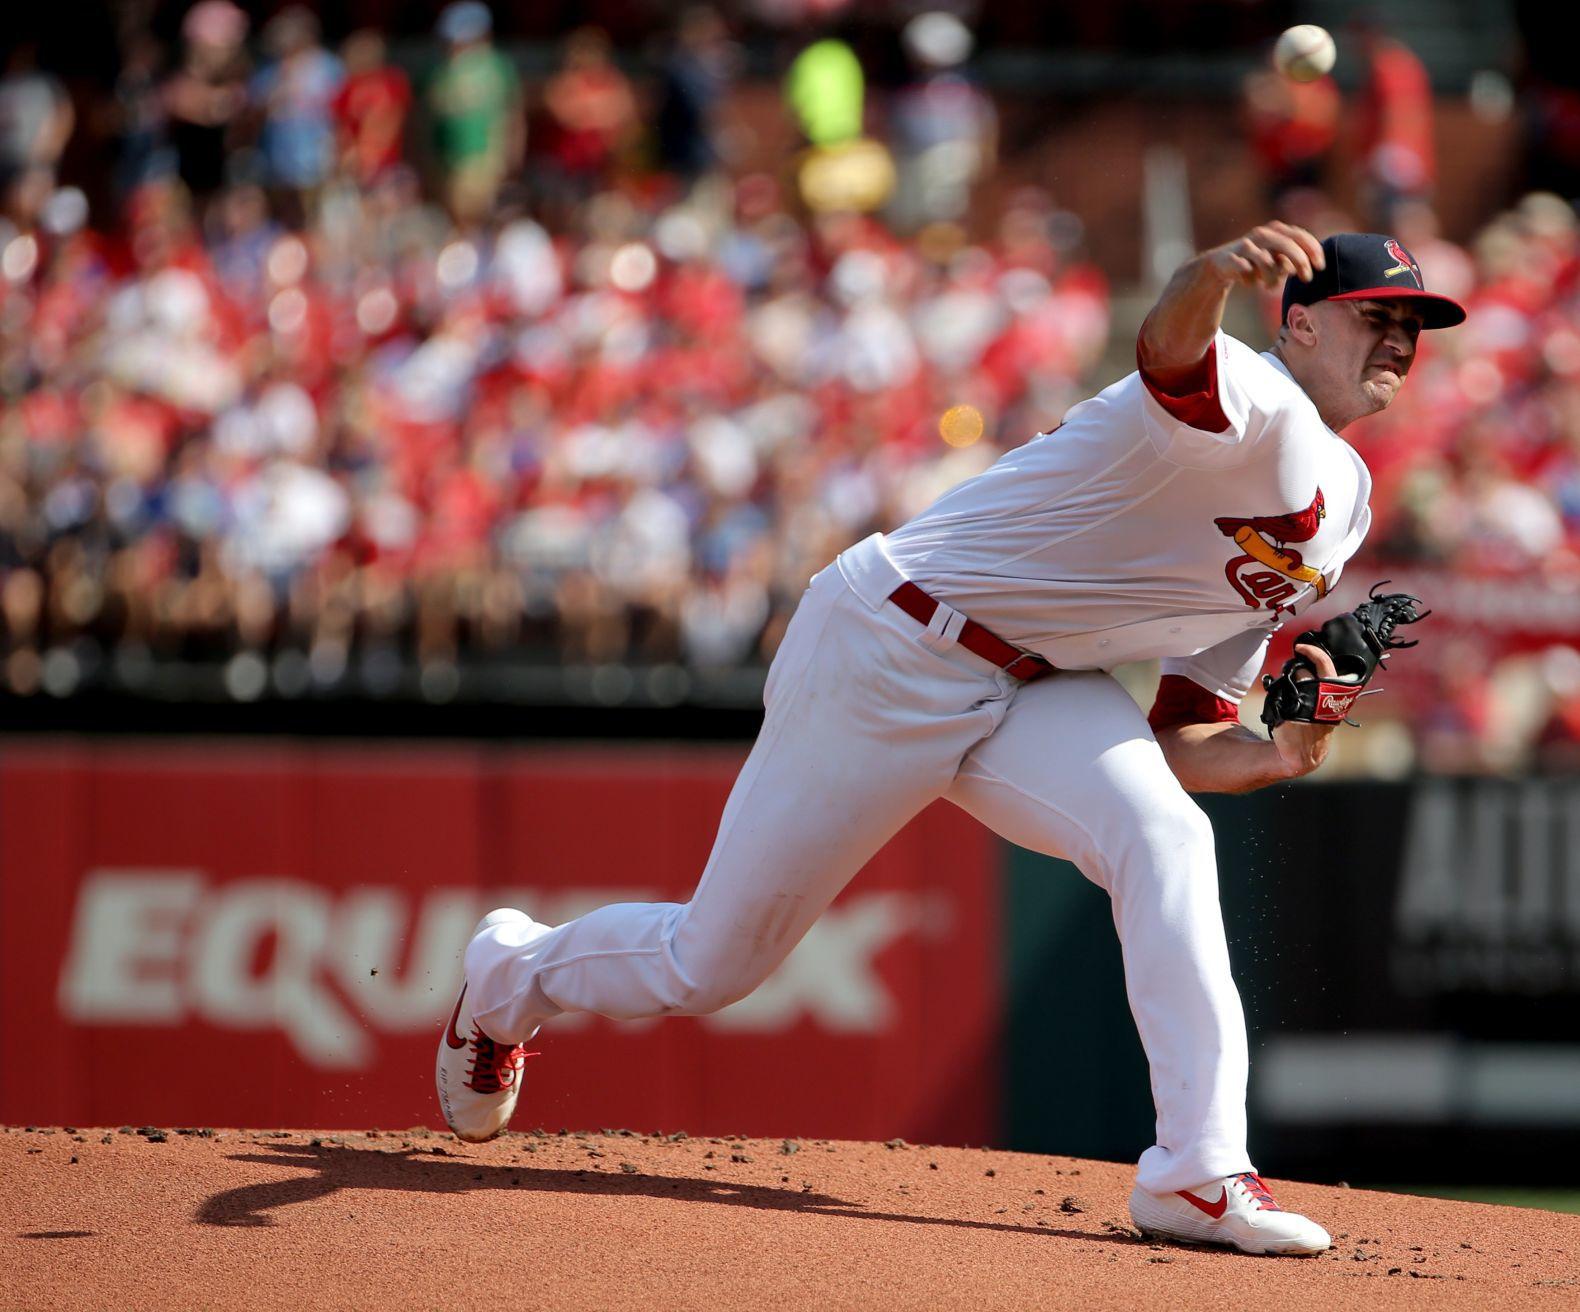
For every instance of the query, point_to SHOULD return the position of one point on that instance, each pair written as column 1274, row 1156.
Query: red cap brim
column 1436, row 311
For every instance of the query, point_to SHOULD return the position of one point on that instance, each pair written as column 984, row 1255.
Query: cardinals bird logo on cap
column 1406, row 263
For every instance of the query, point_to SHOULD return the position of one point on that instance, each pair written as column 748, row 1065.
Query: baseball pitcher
column 1182, row 514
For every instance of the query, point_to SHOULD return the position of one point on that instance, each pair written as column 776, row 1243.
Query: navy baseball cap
column 1370, row 266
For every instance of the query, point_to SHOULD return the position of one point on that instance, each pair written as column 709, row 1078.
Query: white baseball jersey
column 1145, row 526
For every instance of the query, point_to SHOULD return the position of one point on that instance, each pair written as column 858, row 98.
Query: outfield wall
column 267, row 934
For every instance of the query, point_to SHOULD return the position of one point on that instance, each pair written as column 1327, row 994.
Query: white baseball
column 1304, row 52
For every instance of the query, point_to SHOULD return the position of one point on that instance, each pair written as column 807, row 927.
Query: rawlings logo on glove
column 1357, row 643
column 1334, row 706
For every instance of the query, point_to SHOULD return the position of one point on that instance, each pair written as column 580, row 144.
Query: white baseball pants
column 869, row 718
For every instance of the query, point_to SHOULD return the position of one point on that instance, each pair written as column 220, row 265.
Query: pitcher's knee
column 708, row 975
column 711, row 987
column 1172, row 838
column 712, row 968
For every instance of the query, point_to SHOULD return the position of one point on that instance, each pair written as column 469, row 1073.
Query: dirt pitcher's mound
column 245, row 1218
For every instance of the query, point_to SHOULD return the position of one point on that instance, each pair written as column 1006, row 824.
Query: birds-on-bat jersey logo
column 1268, row 572
column 1406, row 263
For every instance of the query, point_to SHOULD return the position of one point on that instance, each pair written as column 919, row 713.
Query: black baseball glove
column 1357, row 643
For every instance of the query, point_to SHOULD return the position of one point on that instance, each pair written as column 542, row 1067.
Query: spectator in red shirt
column 589, row 114
column 371, row 109
column 1394, row 130
column 1292, row 128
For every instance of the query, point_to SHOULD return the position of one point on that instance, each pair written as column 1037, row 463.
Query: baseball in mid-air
column 1305, row 52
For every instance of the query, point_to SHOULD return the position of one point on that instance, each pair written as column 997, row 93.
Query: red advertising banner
column 268, row 934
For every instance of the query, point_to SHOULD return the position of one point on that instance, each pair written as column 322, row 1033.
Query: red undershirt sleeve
column 1192, row 397
column 1184, row 701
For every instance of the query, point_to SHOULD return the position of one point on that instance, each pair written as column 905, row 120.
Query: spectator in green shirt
column 475, row 104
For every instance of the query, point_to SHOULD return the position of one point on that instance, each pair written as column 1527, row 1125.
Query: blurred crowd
column 368, row 370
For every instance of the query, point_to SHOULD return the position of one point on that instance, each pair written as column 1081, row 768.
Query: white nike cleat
column 1236, row 1210
column 478, row 1078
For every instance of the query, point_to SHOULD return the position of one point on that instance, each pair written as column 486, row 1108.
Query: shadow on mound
column 416, row 1171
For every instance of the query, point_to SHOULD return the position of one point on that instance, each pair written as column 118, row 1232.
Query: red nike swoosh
column 455, row 1040
column 1214, row 1210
